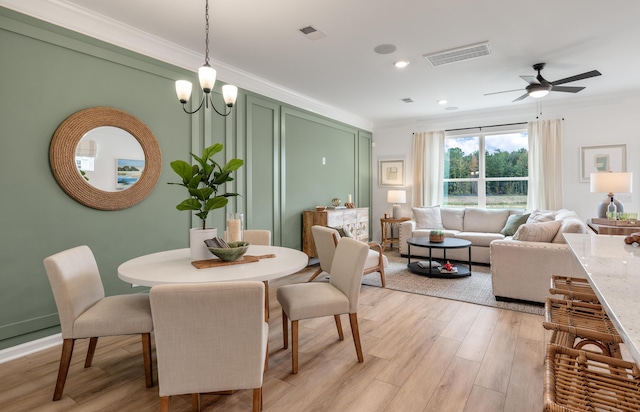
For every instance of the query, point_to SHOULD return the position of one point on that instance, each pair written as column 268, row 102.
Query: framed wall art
column 605, row 158
column 391, row 173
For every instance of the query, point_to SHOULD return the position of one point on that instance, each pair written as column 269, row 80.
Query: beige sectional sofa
column 523, row 248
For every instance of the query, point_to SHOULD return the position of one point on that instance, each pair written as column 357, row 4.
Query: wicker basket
column 583, row 381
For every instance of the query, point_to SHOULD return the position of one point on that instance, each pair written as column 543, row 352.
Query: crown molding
column 84, row 21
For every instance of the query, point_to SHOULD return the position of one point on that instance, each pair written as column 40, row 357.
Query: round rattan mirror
column 62, row 157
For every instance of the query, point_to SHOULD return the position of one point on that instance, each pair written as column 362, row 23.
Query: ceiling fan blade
column 505, row 91
column 592, row 73
column 521, row 97
column 530, row 79
column 568, row 89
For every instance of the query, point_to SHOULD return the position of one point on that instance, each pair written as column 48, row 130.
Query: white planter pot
column 199, row 249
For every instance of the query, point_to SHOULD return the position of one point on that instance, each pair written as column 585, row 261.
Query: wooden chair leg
column 93, row 342
column 285, row 330
column 266, row 359
column 353, row 318
column 165, row 401
column 294, row 346
column 195, row 402
column 257, row 399
column 63, row 370
column 266, row 301
column 146, row 355
column 383, row 280
column 339, row 326
column 315, row 274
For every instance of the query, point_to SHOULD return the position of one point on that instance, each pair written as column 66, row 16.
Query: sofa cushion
column 513, row 223
column 537, row 232
column 479, row 238
column 452, row 218
column 571, row 224
column 538, row 216
column 428, row 217
column 484, row 220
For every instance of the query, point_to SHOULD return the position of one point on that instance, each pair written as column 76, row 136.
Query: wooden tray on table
column 212, row 263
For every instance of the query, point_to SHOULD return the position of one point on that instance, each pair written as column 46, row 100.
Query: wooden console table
column 613, row 229
column 387, row 225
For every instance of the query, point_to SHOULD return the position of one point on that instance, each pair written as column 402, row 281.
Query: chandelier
column 207, row 77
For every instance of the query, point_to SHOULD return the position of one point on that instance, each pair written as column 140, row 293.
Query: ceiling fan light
column 538, row 93
column 539, row 90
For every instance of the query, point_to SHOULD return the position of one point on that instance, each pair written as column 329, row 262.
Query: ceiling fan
column 539, row 86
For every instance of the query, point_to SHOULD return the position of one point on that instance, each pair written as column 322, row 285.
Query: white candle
column 234, row 230
column 348, row 198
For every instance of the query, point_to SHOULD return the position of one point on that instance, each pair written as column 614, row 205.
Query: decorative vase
column 197, row 236
column 436, row 236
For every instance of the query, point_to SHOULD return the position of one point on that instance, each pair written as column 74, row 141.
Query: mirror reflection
column 110, row 159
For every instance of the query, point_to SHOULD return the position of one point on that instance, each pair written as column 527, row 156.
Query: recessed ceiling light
column 451, row 108
column 400, row 64
column 407, row 100
column 442, row 102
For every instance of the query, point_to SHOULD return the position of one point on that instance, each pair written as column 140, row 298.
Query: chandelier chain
column 206, row 30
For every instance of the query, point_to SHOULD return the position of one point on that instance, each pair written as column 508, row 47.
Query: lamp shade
column 611, row 182
column 397, row 196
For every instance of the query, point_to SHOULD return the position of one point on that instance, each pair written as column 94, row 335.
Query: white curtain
column 545, row 165
column 428, row 166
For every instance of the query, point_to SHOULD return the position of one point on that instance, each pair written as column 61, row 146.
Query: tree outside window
column 486, row 170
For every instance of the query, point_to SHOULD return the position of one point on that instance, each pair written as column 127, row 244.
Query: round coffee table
column 434, row 272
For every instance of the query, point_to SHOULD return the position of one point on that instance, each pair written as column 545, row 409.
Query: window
column 486, row 170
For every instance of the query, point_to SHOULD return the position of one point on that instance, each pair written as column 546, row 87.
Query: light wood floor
column 421, row 354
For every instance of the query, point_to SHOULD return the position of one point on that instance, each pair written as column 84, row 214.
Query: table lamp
column 610, row 182
column 396, row 197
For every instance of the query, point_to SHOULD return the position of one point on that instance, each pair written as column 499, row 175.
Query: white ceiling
column 261, row 39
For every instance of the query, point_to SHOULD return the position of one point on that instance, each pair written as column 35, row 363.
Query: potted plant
column 204, row 182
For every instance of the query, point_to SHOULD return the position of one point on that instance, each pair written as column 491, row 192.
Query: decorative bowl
column 232, row 253
column 321, row 208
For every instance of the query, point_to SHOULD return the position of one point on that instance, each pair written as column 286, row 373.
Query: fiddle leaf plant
column 204, row 180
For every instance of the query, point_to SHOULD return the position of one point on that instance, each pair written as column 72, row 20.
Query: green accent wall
column 49, row 73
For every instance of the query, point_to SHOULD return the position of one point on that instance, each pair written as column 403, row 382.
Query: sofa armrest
column 405, row 232
column 521, row 270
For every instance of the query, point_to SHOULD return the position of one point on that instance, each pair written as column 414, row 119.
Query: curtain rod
column 480, row 127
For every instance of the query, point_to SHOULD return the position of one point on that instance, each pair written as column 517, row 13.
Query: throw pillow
column 537, row 232
column 428, row 217
column 342, row 231
column 513, row 223
column 538, row 216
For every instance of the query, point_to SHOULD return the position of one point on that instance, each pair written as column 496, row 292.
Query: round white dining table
column 174, row 266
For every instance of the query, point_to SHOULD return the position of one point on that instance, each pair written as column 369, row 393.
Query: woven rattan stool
column 572, row 288
column 571, row 320
column 577, row 380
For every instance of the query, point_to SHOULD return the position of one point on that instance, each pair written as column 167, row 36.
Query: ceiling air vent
column 312, row 33
column 458, row 54
column 407, row 100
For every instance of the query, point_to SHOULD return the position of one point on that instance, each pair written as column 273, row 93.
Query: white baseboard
column 27, row 348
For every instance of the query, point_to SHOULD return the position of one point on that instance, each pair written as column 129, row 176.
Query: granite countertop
column 613, row 270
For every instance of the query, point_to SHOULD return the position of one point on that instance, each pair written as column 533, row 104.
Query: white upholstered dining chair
column 85, row 312
column 209, row 337
column 317, row 299
column 326, row 239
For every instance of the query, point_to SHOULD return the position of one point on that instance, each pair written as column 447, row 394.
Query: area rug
column 474, row 289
